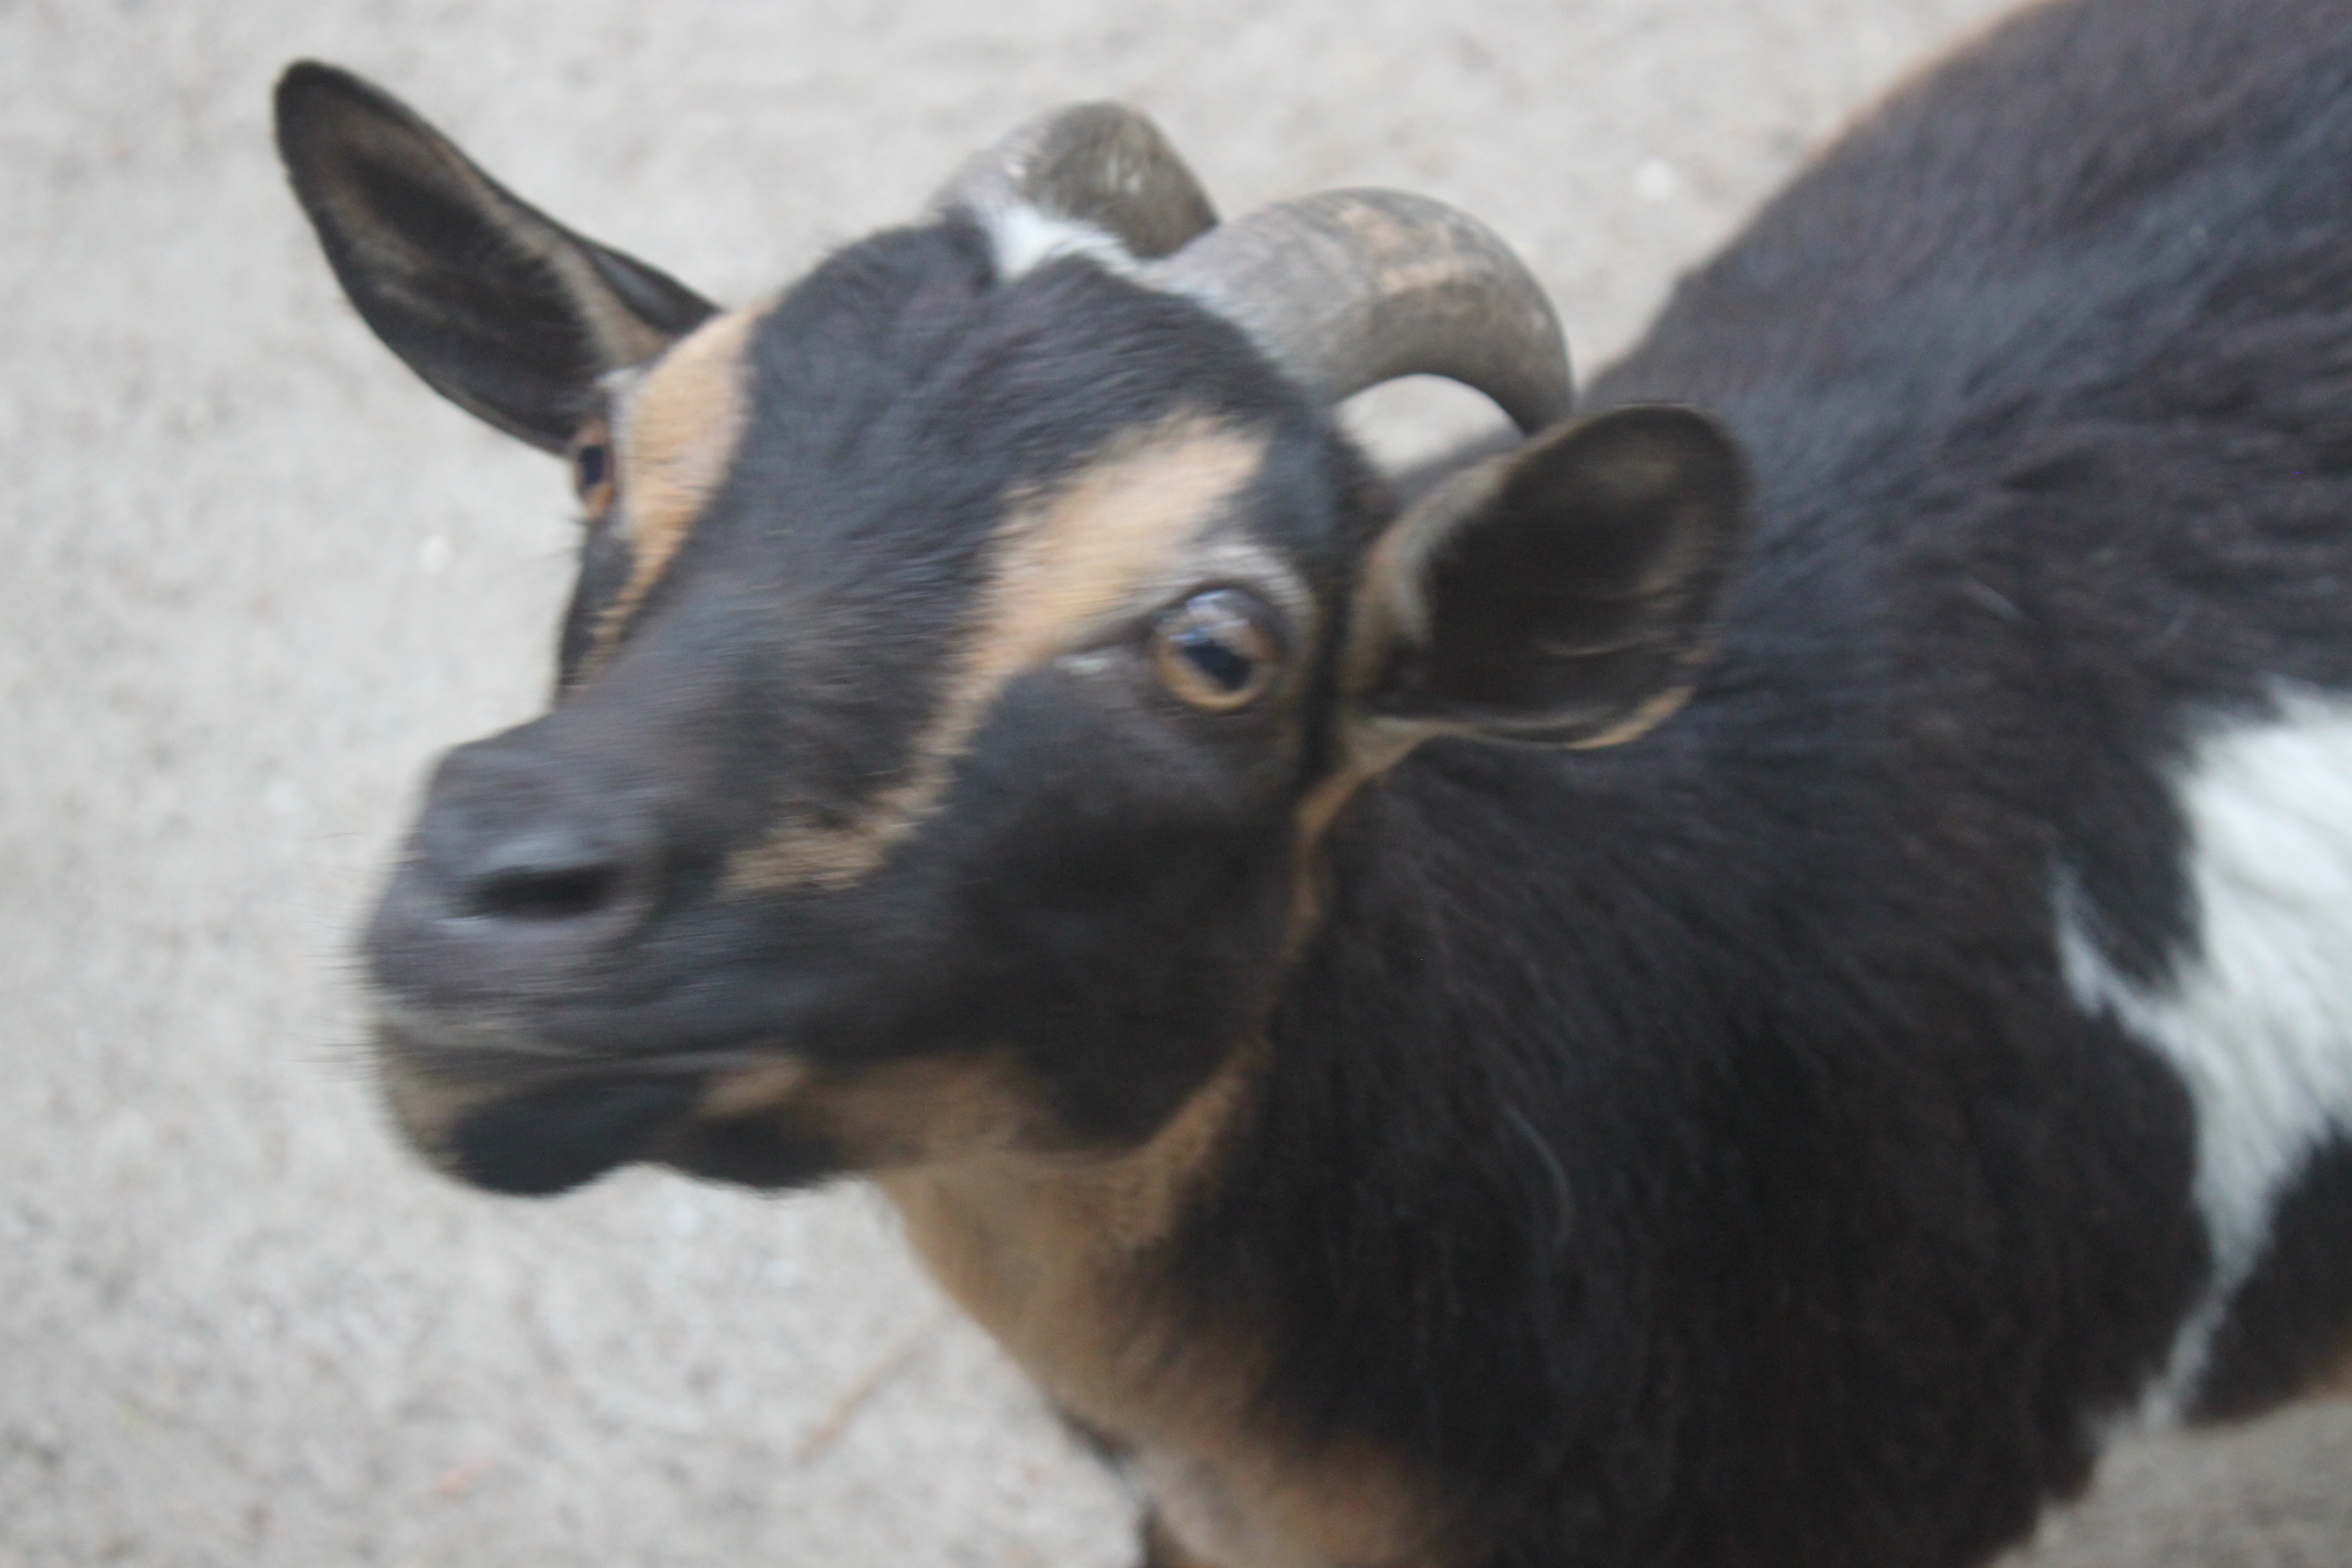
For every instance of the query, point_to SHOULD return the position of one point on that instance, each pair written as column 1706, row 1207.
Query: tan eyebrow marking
column 1064, row 559
column 677, row 437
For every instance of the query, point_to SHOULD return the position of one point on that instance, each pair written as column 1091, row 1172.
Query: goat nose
column 540, row 873
column 518, row 874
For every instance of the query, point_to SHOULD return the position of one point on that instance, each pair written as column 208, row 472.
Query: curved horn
column 1349, row 288
column 1099, row 163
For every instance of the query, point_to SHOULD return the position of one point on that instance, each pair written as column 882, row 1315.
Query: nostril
column 545, row 895
column 541, row 879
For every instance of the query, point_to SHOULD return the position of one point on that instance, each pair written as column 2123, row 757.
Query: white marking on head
column 1025, row 237
column 2257, row 1019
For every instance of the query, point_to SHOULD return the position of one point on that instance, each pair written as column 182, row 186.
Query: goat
column 1720, row 990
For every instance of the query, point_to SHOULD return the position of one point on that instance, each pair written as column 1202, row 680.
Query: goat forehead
column 860, row 449
column 867, row 436
column 882, row 498
column 872, row 425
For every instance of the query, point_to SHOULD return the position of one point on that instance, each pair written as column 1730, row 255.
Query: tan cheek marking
column 1053, row 1254
column 677, row 440
column 925, row 1113
column 904, row 1113
column 1063, row 560
column 1040, row 1249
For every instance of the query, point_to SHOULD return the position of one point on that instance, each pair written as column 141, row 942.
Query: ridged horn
column 1348, row 289
column 1100, row 163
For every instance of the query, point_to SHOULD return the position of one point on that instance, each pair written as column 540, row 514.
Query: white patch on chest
column 2257, row 1018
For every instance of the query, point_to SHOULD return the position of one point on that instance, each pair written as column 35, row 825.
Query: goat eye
column 592, row 465
column 1217, row 650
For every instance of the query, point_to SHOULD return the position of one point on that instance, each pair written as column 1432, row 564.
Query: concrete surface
column 255, row 576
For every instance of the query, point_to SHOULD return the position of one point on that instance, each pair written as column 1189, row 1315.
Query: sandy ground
column 257, row 576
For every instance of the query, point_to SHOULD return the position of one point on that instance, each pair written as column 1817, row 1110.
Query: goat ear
column 1562, row 593
column 502, row 310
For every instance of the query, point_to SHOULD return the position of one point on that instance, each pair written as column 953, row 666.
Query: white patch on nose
column 1025, row 237
column 2257, row 1018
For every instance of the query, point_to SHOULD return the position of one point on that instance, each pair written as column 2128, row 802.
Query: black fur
column 1686, row 1155
column 1728, row 1176
column 2285, row 1326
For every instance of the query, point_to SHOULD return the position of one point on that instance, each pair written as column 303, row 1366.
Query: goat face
column 966, row 648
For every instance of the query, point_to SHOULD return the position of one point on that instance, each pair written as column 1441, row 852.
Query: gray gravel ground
column 256, row 576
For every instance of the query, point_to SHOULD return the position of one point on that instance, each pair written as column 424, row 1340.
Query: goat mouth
column 542, row 1141
column 539, row 1142
column 517, row 1122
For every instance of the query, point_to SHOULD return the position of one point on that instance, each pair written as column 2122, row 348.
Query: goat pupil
column 1217, row 660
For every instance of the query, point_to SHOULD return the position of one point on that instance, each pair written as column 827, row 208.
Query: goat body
column 1402, row 1116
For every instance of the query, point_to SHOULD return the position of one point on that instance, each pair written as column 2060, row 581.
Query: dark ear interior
column 502, row 310
column 1563, row 591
